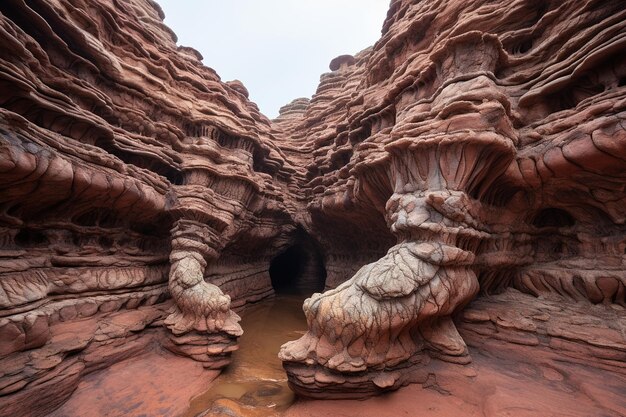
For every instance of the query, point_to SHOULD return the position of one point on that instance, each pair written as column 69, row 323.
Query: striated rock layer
column 481, row 146
column 129, row 174
column 476, row 149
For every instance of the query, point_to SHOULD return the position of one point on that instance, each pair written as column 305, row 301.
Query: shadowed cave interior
column 299, row 270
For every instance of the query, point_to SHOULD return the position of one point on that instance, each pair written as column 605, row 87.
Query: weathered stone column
column 375, row 331
column 202, row 325
column 369, row 334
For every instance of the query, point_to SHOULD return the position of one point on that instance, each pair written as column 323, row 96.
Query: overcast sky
column 277, row 48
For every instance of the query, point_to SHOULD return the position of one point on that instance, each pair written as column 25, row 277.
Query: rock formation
column 491, row 140
column 476, row 150
column 124, row 161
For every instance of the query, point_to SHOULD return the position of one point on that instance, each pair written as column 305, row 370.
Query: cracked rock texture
column 487, row 142
column 129, row 173
column 476, row 152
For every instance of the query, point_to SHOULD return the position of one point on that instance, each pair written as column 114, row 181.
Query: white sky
column 277, row 48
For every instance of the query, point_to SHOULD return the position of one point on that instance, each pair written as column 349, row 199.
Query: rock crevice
column 475, row 153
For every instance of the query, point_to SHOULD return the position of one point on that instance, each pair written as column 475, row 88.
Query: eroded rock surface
column 476, row 149
column 129, row 174
column 516, row 369
column 490, row 138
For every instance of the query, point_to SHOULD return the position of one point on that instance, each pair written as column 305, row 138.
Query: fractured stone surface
column 477, row 149
column 491, row 141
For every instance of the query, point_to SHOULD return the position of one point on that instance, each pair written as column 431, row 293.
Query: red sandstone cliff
column 476, row 149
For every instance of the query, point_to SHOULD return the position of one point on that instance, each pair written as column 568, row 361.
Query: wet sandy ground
column 255, row 382
column 505, row 379
column 154, row 384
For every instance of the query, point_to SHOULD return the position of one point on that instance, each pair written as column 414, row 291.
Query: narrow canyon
column 439, row 230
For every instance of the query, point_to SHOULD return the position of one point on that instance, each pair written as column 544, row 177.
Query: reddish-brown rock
column 490, row 140
column 476, row 152
column 124, row 161
column 521, row 366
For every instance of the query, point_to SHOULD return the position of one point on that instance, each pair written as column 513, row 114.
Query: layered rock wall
column 487, row 143
column 475, row 149
column 127, row 169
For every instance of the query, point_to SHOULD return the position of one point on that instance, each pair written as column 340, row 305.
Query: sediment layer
column 476, row 152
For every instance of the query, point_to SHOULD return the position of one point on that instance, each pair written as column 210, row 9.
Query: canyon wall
column 485, row 144
column 476, row 150
column 124, row 161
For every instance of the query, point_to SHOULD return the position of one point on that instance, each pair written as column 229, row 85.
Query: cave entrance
column 298, row 270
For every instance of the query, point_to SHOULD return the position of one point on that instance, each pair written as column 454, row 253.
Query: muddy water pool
column 255, row 380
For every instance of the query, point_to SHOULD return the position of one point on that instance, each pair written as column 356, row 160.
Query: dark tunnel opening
column 553, row 217
column 298, row 270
